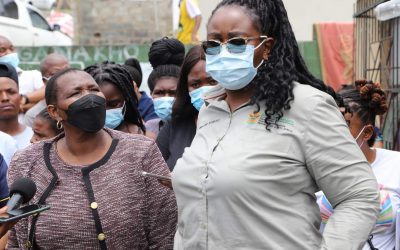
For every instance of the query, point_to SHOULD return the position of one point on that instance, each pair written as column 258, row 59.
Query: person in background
column 91, row 177
column 9, row 107
column 363, row 104
column 3, row 182
column 146, row 107
column 50, row 65
column 178, row 133
column 122, row 105
column 268, row 137
column 189, row 21
column 166, row 51
column 378, row 138
column 134, row 62
column 162, row 83
column 8, row 146
column 378, row 133
column 44, row 127
column 31, row 86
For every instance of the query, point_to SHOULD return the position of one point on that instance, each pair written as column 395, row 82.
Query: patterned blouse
column 106, row 205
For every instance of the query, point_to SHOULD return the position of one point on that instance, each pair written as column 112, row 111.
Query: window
column 8, row 8
column 38, row 21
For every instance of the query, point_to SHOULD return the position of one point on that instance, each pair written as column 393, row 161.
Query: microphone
column 21, row 191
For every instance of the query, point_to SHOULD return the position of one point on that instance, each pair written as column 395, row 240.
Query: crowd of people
column 261, row 154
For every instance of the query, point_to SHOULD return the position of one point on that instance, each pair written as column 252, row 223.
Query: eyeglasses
column 235, row 45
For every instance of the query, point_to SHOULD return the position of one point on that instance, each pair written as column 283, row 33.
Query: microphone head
column 25, row 187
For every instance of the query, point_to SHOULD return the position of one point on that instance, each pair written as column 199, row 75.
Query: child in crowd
column 44, row 127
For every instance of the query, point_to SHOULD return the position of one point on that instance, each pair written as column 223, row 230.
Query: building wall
column 142, row 21
column 302, row 14
column 119, row 22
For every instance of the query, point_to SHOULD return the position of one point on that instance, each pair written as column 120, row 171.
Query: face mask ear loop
column 258, row 46
column 124, row 109
column 259, row 65
column 359, row 134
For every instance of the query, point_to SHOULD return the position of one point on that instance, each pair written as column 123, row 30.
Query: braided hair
column 274, row 80
column 120, row 77
column 367, row 100
column 166, row 51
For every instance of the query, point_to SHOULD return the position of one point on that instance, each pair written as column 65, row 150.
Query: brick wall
column 118, row 22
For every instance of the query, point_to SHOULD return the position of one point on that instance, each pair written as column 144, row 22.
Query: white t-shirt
column 8, row 146
column 29, row 80
column 386, row 168
column 192, row 9
column 23, row 139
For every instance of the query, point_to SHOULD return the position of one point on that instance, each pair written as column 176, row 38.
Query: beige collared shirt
column 240, row 186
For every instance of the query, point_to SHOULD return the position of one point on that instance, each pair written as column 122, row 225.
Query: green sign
column 82, row 56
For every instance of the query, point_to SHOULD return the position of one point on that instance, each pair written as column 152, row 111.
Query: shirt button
column 93, row 205
column 101, row 237
column 28, row 244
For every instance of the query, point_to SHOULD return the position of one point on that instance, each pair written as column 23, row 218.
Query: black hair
column 274, row 80
column 120, row 77
column 182, row 108
column 134, row 62
column 168, row 70
column 136, row 75
column 44, row 114
column 134, row 68
column 367, row 100
column 52, row 85
column 166, row 51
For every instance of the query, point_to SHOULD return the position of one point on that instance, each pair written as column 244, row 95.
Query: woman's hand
column 5, row 226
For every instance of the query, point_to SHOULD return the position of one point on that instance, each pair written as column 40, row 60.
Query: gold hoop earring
column 59, row 125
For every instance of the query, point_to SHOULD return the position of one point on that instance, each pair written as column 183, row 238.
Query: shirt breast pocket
column 262, row 151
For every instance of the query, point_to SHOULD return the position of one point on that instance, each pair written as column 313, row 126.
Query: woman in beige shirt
column 267, row 139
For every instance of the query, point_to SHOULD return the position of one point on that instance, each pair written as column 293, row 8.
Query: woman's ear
column 368, row 132
column 267, row 47
column 52, row 110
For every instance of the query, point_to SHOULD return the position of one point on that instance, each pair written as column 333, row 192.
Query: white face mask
column 359, row 134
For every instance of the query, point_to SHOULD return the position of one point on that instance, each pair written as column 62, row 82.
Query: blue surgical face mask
column 114, row 117
column 11, row 59
column 197, row 96
column 163, row 107
column 232, row 71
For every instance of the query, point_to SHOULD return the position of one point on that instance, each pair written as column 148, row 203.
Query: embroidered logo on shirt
column 208, row 123
column 259, row 118
column 253, row 117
